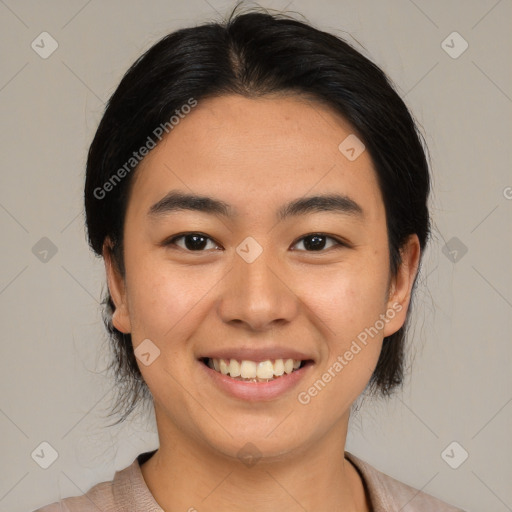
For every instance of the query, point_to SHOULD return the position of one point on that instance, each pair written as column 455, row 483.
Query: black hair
column 254, row 54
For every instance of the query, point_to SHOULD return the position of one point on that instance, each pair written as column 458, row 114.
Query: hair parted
column 254, row 54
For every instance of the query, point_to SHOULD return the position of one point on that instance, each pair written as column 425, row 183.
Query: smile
column 252, row 371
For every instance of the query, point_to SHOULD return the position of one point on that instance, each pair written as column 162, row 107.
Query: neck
column 185, row 475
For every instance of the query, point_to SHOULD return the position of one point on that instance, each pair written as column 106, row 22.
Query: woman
column 258, row 192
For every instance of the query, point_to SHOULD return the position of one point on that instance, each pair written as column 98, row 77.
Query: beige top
column 128, row 492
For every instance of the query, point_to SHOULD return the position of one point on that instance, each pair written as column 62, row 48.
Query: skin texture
column 256, row 155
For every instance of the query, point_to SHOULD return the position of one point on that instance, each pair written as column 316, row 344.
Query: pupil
column 314, row 242
column 198, row 242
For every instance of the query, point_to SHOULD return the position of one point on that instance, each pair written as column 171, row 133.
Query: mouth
column 255, row 371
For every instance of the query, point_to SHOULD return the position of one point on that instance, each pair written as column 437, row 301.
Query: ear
column 117, row 289
column 401, row 285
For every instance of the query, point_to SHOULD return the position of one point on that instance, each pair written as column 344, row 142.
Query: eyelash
column 338, row 243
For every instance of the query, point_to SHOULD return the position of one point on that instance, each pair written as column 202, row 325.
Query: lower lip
column 256, row 391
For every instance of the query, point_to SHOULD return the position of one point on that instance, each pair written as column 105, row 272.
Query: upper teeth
column 251, row 369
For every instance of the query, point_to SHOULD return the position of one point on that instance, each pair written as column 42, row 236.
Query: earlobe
column 117, row 289
column 401, row 286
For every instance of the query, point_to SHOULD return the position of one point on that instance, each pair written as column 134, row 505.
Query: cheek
column 349, row 298
column 165, row 300
column 349, row 310
column 349, row 302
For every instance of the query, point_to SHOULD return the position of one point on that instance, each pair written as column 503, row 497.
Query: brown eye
column 196, row 242
column 317, row 242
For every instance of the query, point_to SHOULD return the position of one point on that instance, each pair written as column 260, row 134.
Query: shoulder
column 99, row 497
column 127, row 491
column 387, row 493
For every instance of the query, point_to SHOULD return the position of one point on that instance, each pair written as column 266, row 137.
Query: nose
column 258, row 295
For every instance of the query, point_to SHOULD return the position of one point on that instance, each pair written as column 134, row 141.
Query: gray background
column 54, row 388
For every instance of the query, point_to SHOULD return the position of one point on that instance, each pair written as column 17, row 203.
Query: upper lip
column 257, row 354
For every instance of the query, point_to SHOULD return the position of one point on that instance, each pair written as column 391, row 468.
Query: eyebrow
column 179, row 201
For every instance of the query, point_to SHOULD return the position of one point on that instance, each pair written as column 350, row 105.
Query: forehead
column 253, row 152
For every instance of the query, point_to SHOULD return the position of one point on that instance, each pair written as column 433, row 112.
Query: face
column 287, row 259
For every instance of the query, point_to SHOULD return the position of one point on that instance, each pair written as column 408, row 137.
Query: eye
column 316, row 242
column 198, row 242
column 192, row 241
